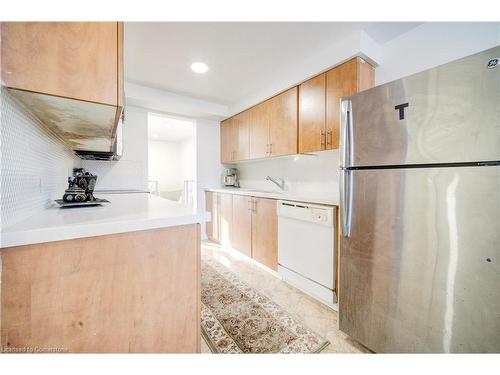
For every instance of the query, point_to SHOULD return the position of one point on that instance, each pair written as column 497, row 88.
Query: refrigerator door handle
column 345, row 133
column 346, row 185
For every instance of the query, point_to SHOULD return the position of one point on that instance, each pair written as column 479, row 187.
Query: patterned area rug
column 235, row 318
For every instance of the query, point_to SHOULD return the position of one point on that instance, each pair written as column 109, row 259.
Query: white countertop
column 331, row 199
column 125, row 213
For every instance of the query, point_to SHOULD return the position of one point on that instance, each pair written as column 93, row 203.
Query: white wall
column 164, row 161
column 131, row 171
column 208, row 166
column 302, row 174
column 187, row 159
column 432, row 44
column 171, row 163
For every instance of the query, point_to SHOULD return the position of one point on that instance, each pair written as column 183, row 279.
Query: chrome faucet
column 279, row 182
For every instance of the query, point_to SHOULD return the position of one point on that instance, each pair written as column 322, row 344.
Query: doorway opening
column 172, row 158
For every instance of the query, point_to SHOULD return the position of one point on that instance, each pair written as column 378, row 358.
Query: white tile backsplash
column 318, row 172
column 34, row 164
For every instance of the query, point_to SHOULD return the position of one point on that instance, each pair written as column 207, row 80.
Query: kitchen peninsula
column 118, row 278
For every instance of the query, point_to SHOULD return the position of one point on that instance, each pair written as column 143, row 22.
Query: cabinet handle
column 254, row 205
column 250, row 205
column 267, row 149
column 329, row 138
column 323, row 138
column 270, row 149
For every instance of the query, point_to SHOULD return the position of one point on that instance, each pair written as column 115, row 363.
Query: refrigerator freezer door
column 420, row 270
column 447, row 114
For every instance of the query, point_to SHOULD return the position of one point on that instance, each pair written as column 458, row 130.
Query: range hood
column 87, row 128
column 116, row 149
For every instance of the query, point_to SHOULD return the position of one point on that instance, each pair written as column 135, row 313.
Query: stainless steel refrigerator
column 420, row 210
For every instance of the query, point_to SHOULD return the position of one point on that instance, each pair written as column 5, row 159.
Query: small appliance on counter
column 231, row 178
column 80, row 191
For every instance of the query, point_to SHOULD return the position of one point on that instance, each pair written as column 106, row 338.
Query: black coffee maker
column 81, row 187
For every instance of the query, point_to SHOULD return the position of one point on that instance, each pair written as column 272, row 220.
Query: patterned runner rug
column 235, row 318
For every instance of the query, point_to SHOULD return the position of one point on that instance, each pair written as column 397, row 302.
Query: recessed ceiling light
column 199, row 67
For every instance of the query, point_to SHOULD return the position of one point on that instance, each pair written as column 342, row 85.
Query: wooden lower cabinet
column 246, row 224
column 241, row 236
column 225, row 219
column 136, row 292
column 265, row 232
column 212, row 204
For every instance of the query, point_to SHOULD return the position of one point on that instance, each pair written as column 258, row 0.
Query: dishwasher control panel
column 307, row 212
column 319, row 214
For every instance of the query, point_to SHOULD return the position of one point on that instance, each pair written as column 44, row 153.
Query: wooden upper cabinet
column 344, row 80
column 265, row 232
column 258, row 117
column 241, row 133
column 312, row 119
column 273, row 126
column 234, row 136
column 226, row 141
column 76, row 60
column 283, row 123
column 302, row 119
column 70, row 75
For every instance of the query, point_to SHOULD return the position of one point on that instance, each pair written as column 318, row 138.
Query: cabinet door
column 76, row 60
column 226, row 219
column 212, row 201
column 258, row 117
column 344, row 80
column 340, row 81
column 241, row 235
column 283, row 123
column 312, row 93
column 265, row 232
column 241, row 136
column 366, row 75
column 226, row 141
column 209, row 206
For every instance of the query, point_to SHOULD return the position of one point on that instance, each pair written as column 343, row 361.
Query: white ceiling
column 169, row 129
column 241, row 57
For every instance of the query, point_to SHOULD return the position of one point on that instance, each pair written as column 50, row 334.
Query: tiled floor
column 315, row 315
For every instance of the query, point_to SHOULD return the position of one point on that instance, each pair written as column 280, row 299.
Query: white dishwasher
column 306, row 248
